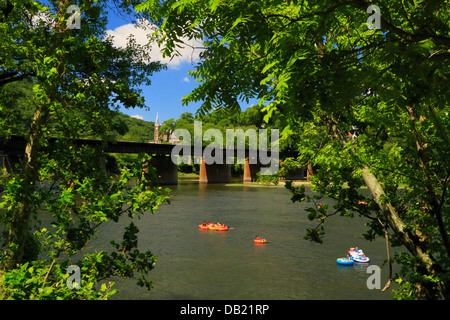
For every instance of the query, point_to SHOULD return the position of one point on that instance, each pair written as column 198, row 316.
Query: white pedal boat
column 361, row 259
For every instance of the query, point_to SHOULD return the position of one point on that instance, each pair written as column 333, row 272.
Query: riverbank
column 188, row 177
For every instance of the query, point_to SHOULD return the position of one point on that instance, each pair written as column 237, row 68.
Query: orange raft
column 213, row 227
column 260, row 241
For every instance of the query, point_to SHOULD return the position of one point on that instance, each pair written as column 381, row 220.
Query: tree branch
column 388, row 252
column 13, row 76
column 409, row 37
column 433, row 198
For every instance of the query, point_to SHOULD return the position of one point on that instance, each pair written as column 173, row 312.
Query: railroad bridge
column 12, row 150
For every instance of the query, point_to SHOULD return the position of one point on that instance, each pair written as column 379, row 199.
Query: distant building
column 156, row 138
column 173, row 139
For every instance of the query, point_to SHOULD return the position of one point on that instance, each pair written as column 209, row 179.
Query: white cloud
column 187, row 54
column 186, row 79
column 138, row 117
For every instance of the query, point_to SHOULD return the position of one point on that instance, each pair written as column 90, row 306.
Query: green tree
column 167, row 127
column 253, row 116
column 15, row 110
column 79, row 80
column 321, row 68
column 187, row 116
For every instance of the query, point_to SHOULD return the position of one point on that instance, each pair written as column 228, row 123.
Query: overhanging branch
column 13, row 77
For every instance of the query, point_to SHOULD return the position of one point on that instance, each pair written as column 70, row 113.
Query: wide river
column 195, row 264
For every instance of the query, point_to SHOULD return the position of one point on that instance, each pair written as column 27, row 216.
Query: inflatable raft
column 345, row 261
column 260, row 241
column 221, row 228
column 213, row 227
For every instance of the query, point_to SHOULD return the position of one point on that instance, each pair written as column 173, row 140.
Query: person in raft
column 257, row 238
column 204, row 223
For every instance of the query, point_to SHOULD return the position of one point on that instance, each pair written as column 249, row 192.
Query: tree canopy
column 329, row 76
column 79, row 79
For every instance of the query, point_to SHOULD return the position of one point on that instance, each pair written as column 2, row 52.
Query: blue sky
column 165, row 93
column 168, row 86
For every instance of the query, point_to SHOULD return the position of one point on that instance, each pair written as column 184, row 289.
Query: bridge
column 13, row 149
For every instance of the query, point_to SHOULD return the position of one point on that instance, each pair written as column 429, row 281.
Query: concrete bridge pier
column 309, row 172
column 250, row 170
column 214, row 173
column 166, row 170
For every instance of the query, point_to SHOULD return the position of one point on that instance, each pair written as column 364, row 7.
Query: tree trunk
column 21, row 213
column 428, row 182
column 410, row 241
column 309, row 172
column 394, row 221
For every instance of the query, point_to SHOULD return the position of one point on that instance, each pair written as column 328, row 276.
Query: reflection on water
column 195, row 264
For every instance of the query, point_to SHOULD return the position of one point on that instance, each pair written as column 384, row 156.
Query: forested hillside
column 17, row 117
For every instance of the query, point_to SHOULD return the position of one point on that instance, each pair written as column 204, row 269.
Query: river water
column 195, row 264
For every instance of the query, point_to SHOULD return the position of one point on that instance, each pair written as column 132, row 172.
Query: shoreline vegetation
column 194, row 177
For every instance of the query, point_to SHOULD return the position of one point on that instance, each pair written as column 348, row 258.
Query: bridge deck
column 17, row 144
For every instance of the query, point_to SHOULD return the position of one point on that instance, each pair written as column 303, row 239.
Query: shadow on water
column 195, row 264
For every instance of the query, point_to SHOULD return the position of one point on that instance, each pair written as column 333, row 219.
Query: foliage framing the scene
column 59, row 195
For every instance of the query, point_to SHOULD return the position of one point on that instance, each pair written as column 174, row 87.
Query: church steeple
column 157, row 125
column 157, row 120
